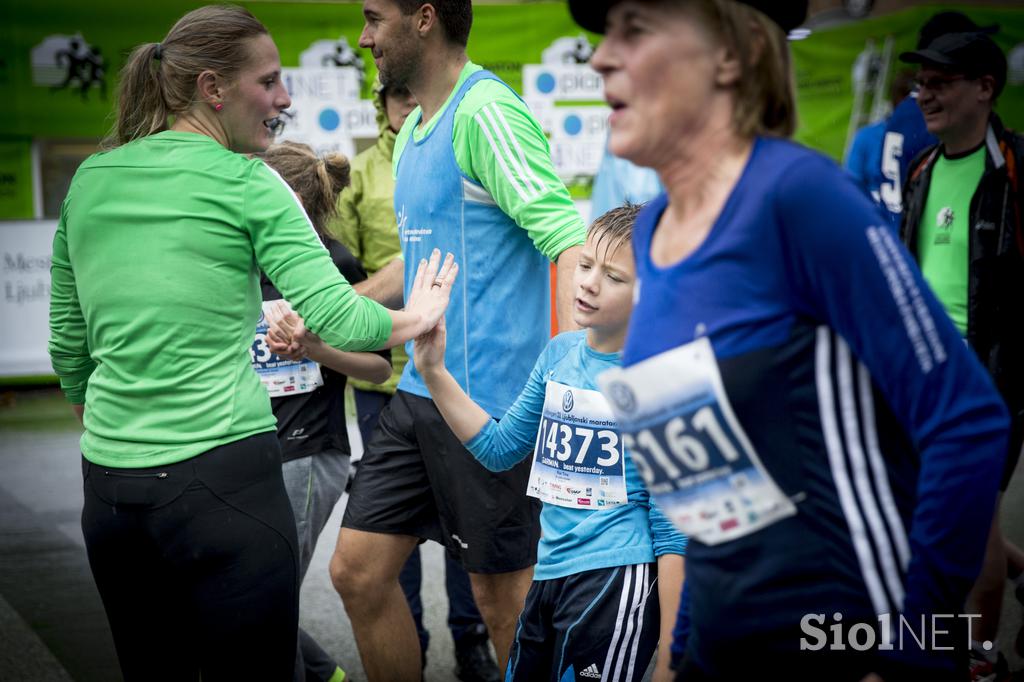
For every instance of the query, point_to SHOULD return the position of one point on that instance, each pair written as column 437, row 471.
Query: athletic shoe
column 983, row 670
column 474, row 663
column 338, row 676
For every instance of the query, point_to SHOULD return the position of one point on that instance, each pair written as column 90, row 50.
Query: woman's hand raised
column 431, row 290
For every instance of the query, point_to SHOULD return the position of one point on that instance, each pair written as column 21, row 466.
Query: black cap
column 950, row 22
column 973, row 54
column 788, row 14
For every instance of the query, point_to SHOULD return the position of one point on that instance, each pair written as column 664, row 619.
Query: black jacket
column 995, row 297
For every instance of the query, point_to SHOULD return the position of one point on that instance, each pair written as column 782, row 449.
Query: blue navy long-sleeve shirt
column 855, row 390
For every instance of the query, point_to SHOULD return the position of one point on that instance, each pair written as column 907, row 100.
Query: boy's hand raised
column 428, row 350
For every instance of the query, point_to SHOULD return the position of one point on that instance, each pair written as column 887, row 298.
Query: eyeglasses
column 937, row 83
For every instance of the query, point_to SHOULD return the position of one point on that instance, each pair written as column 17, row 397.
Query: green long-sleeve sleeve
column 69, row 349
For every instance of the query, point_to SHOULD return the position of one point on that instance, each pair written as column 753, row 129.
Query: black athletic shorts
column 417, row 479
column 594, row 625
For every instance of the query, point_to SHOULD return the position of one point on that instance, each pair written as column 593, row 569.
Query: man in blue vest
column 473, row 176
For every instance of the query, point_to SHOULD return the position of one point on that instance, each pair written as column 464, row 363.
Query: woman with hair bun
column 155, row 294
column 307, row 393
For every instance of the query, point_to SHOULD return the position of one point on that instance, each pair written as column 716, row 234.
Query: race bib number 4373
column 679, row 428
column 577, row 460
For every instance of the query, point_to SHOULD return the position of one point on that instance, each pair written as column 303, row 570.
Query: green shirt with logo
column 943, row 243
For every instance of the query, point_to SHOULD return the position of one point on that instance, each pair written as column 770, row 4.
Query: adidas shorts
column 595, row 625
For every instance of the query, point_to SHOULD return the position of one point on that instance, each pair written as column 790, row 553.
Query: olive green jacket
column 366, row 223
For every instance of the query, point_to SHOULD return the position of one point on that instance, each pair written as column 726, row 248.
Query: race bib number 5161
column 679, row 428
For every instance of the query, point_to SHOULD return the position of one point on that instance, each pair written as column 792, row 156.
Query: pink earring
column 218, row 106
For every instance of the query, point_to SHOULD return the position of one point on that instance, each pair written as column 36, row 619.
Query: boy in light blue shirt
column 593, row 610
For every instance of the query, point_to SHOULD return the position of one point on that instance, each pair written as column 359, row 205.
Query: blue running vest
column 500, row 311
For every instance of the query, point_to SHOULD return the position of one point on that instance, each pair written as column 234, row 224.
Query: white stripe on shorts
column 627, row 580
column 630, row 612
column 640, row 622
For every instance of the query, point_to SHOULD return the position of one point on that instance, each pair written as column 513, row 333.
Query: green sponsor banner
column 824, row 68
column 59, row 60
column 16, row 199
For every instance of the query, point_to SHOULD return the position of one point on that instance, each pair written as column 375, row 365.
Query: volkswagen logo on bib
column 567, row 401
column 623, row 396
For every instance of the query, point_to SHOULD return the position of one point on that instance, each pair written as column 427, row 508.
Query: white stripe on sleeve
column 518, row 166
column 881, row 476
column 501, row 159
column 833, row 444
column 529, row 175
column 859, row 467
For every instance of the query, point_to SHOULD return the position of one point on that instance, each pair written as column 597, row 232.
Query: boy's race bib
column 577, row 460
column 690, row 449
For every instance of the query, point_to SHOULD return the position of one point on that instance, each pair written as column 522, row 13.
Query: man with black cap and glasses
column 962, row 221
column 906, row 135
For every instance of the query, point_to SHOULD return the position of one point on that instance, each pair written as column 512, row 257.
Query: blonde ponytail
column 159, row 79
column 141, row 108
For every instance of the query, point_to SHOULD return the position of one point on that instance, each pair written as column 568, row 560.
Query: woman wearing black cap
column 795, row 397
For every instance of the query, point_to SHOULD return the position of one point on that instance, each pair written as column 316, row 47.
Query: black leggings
column 196, row 563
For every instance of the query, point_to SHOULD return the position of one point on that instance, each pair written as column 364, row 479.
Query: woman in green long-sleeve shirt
column 155, row 293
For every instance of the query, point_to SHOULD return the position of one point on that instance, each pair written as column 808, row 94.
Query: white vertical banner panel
column 326, row 111
column 580, row 124
column 562, row 83
column 565, row 97
column 25, row 249
column 573, row 158
column 585, row 209
column 577, row 139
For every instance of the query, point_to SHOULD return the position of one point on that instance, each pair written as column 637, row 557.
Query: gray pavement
column 52, row 625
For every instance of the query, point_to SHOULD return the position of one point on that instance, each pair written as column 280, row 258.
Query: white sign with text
column 326, row 111
column 25, row 248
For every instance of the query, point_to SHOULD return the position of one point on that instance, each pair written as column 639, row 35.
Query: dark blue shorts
column 595, row 625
